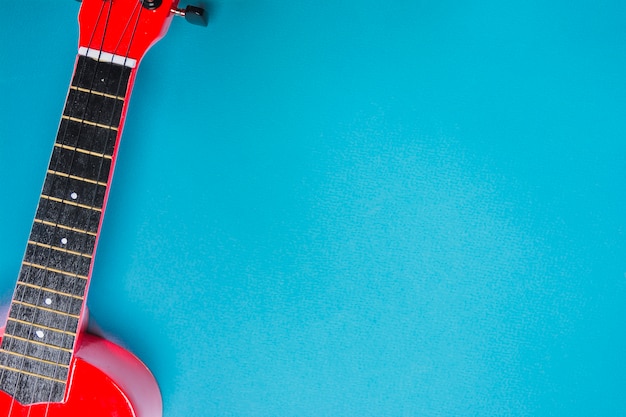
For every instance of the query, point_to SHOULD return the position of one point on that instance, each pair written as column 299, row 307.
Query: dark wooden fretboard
column 46, row 306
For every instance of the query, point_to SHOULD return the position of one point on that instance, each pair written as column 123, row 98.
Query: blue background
column 353, row 208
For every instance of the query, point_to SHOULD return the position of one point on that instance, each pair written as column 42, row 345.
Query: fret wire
column 62, row 226
column 97, row 93
column 41, row 326
column 76, row 243
column 45, row 309
column 8, row 368
column 37, row 287
column 85, row 151
column 75, row 177
column 87, row 122
column 71, row 252
column 70, row 203
column 80, row 164
column 35, row 342
column 58, row 271
column 72, row 191
column 87, row 137
column 10, row 352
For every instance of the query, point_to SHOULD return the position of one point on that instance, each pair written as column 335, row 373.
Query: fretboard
column 46, row 307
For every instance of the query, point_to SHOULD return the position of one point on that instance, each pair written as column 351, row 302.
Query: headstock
column 123, row 30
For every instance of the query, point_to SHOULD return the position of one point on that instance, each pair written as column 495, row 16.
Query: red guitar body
column 105, row 381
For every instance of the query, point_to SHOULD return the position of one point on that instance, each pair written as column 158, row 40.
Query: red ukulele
column 49, row 366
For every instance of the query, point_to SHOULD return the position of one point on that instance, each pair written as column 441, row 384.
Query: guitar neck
column 48, row 304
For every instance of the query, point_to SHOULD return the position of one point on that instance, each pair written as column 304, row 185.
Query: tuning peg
column 193, row 14
column 151, row 4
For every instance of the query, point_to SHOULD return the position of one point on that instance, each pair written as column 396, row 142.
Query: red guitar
column 49, row 365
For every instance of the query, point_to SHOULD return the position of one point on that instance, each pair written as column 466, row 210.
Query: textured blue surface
column 354, row 208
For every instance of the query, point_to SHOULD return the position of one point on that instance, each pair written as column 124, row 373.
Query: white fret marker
column 48, row 301
column 64, row 241
column 39, row 334
column 74, row 196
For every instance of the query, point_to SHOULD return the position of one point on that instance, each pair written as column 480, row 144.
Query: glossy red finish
column 105, row 381
column 123, row 27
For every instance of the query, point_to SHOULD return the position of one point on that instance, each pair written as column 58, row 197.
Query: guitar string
column 78, row 77
column 116, row 138
column 41, row 288
column 86, row 238
column 118, row 88
column 39, row 291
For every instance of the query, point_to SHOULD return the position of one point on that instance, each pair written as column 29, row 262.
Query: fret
column 29, row 388
column 71, row 252
column 38, row 375
column 66, row 188
column 80, row 204
column 74, row 177
column 90, row 123
column 86, row 90
column 64, row 227
column 75, row 149
column 103, row 77
column 49, row 338
column 71, row 203
column 47, row 292
column 19, row 355
column 61, row 239
column 76, row 134
column 53, row 281
column 36, row 343
column 82, row 165
column 46, row 300
column 95, row 108
column 58, row 271
column 69, row 263
column 29, row 314
column 27, row 365
column 36, row 349
column 41, row 308
column 74, row 217
column 39, row 326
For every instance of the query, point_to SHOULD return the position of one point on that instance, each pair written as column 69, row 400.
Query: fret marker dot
column 39, row 334
column 74, row 196
column 64, row 241
column 48, row 301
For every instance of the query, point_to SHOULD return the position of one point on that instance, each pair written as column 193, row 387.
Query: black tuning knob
column 194, row 15
column 151, row 4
